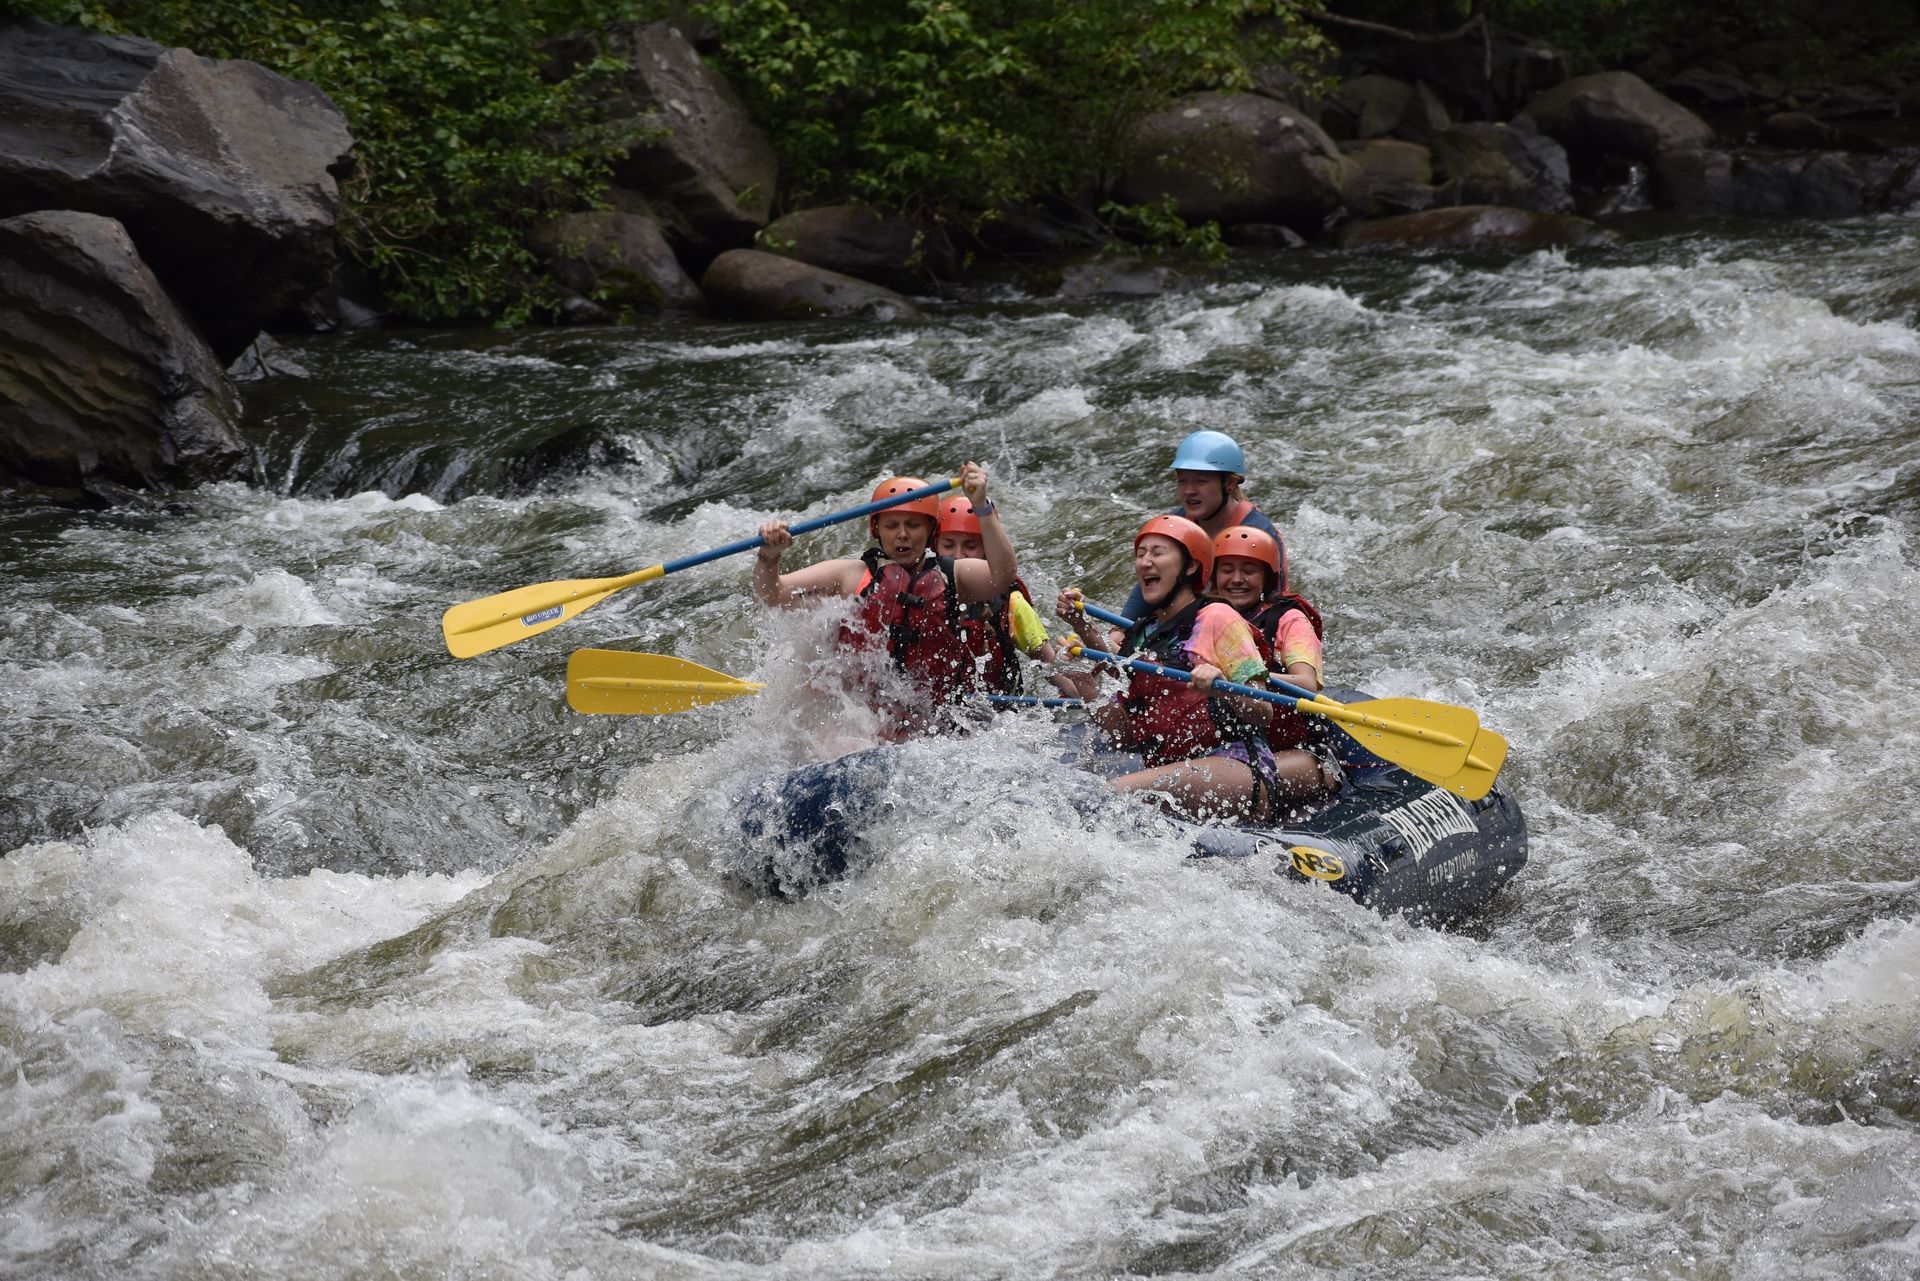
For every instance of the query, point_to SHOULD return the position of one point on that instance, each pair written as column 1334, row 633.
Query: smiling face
column 960, row 546
column 1239, row 581
column 1202, row 494
column 1157, row 563
column 903, row 536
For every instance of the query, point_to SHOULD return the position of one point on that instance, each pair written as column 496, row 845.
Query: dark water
column 327, row 955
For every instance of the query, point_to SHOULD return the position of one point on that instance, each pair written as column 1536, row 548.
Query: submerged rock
column 1476, row 227
column 104, row 381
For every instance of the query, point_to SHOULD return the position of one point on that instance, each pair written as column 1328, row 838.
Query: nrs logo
column 1317, row 865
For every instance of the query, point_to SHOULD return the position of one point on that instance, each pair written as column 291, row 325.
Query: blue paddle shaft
column 1124, row 623
column 1028, row 700
column 807, row 526
column 1230, row 687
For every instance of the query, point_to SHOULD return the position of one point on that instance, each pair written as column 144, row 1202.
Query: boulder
column 1425, row 116
column 754, row 285
column 858, row 240
column 1262, row 235
column 1713, row 90
column 616, row 259
column 1616, row 113
column 1116, row 274
column 701, row 160
column 1798, row 131
column 1366, row 107
column 1475, row 227
column 1484, row 77
column 1394, row 177
column 1237, row 158
column 104, row 381
column 1821, row 184
column 223, row 173
column 1499, row 165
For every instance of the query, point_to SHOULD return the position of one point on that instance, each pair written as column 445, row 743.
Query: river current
column 326, row 955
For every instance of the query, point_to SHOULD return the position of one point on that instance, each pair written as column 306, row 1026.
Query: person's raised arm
column 828, row 578
column 992, row 578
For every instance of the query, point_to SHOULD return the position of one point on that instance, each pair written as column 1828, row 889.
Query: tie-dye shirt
column 1295, row 641
column 1223, row 639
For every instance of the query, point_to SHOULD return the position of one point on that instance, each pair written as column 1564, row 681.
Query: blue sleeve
column 1136, row 603
column 1258, row 519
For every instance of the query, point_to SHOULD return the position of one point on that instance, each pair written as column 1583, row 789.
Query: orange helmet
column 928, row 506
column 1254, row 544
column 1188, row 535
column 956, row 516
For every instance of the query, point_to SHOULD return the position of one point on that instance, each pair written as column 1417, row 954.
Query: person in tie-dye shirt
column 1206, row 754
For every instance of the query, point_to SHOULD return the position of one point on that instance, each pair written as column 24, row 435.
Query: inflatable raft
column 1387, row 840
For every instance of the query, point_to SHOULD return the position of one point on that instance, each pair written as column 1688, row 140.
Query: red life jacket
column 1288, row 729
column 917, row 612
column 1167, row 718
column 992, row 667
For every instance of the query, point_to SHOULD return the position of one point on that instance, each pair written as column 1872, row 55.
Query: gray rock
column 1424, row 117
column 1797, row 131
column 1117, row 274
column 104, row 381
column 1366, row 107
column 1395, row 177
column 858, row 240
column 1475, row 227
column 1616, row 113
column 753, row 285
column 1498, row 165
column 1713, row 90
column 1487, row 78
column 1821, row 184
column 1237, row 158
column 700, row 155
column 619, row 260
column 1262, row 235
column 222, row 172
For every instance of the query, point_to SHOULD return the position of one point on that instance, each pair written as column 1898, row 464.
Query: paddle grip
column 808, row 526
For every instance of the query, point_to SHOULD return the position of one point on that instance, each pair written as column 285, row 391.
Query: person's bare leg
column 1211, row 787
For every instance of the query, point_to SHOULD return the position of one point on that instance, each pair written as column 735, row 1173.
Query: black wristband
column 985, row 507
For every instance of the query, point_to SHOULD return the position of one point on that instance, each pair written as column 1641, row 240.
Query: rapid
column 326, row 955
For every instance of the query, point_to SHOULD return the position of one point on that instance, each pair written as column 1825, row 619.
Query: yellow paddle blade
column 620, row 682
column 1484, row 759
column 502, row 619
column 1029, row 633
column 1425, row 738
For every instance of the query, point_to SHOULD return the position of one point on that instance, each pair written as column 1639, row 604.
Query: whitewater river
column 325, row 955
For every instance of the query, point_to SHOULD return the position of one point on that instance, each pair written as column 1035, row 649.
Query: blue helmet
column 1209, row 451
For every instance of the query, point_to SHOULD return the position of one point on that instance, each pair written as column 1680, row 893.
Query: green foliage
column 1162, row 227
column 954, row 107
column 978, row 104
column 460, row 142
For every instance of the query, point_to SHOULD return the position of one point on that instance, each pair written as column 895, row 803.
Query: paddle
column 493, row 621
column 619, row 681
column 1429, row 740
column 1486, row 749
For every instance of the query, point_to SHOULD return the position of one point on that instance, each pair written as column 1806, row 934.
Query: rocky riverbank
column 159, row 210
